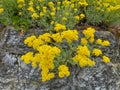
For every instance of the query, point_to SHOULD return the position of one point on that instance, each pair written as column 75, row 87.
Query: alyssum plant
column 52, row 56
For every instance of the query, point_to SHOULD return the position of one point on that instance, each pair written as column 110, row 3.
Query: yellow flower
column 53, row 9
column 35, row 60
column 84, row 3
column 46, row 57
column 34, row 64
column 44, row 9
column 83, row 62
column 52, row 22
column 31, row 3
column 83, row 50
column 58, row 8
column 20, row 13
column 96, row 52
column 63, row 71
column 61, row 74
column 29, row 40
column 84, row 41
column 99, row 41
column 70, row 35
column 36, row 43
column 50, row 4
column 77, row 17
column 67, row 14
column 105, row 43
column 72, row 5
column 31, row 9
column 52, row 14
column 58, row 3
column 91, row 40
column 106, row 59
column 41, row 0
column 91, row 63
column 64, row 19
column 1, row 10
column 41, row 14
column 89, row 32
column 57, row 37
column 38, row 7
column 82, row 16
column 21, row 5
column 20, row 1
column 27, row 57
column 50, row 76
column 45, row 37
column 75, row 10
column 35, row 16
column 59, row 27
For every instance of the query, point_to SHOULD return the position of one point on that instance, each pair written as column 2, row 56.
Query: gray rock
column 15, row 75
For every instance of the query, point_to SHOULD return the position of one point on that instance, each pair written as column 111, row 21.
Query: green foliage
column 44, row 13
column 102, row 12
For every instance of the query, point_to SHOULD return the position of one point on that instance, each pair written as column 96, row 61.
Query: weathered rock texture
column 15, row 75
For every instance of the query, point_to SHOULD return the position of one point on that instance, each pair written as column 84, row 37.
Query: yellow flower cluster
column 59, row 27
column 89, row 34
column 47, row 55
column 108, row 5
column 27, row 57
column 82, row 15
column 106, row 59
column 34, row 13
column 44, row 59
column 21, row 3
column 96, row 52
column 48, row 12
column 29, row 41
column 1, row 10
column 103, row 43
column 84, row 41
column 63, row 71
column 34, row 42
column 57, row 37
column 83, row 3
column 79, row 17
column 84, row 53
column 70, row 35
column 82, row 57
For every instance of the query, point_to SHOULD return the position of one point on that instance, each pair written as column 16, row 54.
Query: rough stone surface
column 15, row 75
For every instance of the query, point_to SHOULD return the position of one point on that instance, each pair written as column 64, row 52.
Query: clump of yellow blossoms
column 103, row 12
column 52, row 57
column 63, row 14
column 63, row 71
column 97, row 52
column 106, row 59
column 103, row 43
column 82, row 57
column 59, row 27
column 1, row 10
column 89, row 34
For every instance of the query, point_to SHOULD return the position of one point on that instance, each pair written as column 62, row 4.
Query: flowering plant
column 102, row 12
column 45, row 13
column 53, row 57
